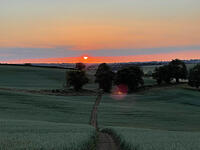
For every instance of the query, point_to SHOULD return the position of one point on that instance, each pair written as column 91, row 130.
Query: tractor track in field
column 105, row 141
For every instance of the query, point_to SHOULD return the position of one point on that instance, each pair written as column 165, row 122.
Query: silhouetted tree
column 132, row 77
column 162, row 74
column 178, row 69
column 104, row 77
column 194, row 76
column 80, row 66
column 76, row 79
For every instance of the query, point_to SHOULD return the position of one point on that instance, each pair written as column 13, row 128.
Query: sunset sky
column 51, row 31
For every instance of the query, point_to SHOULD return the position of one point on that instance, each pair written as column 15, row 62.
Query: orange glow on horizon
column 114, row 59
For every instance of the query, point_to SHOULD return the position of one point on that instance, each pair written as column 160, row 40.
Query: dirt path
column 93, row 120
column 105, row 141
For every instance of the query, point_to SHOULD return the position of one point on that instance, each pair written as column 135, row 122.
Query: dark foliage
column 80, row 66
column 194, row 76
column 76, row 79
column 178, row 69
column 162, row 74
column 131, row 76
column 104, row 77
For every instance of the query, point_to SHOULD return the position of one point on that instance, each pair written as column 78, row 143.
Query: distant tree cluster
column 130, row 76
column 176, row 69
column 194, row 76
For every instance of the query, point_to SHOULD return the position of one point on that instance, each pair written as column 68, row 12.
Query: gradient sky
column 104, row 30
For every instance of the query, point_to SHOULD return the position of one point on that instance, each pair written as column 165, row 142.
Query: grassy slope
column 59, row 122
column 70, row 109
column 27, row 77
column 31, row 77
column 168, row 109
column 32, row 121
column 138, row 119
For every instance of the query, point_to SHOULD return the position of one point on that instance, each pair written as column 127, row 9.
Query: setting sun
column 85, row 57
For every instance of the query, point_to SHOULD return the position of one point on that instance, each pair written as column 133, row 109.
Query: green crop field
column 153, row 118
column 156, row 119
column 151, row 139
column 31, row 77
column 61, row 109
column 32, row 121
column 39, row 135
column 27, row 77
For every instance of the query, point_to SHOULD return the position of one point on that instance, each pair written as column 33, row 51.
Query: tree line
column 132, row 76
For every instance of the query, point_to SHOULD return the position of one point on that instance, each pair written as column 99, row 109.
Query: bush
column 104, row 77
column 194, row 76
column 76, row 79
column 131, row 77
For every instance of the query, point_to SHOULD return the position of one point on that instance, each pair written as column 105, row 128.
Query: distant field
column 25, row 77
column 146, row 69
column 31, row 77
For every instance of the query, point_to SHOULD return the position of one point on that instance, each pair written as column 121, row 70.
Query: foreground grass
column 167, row 109
column 32, row 135
column 60, row 109
column 148, row 139
column 166, row 119
column 31, row 121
